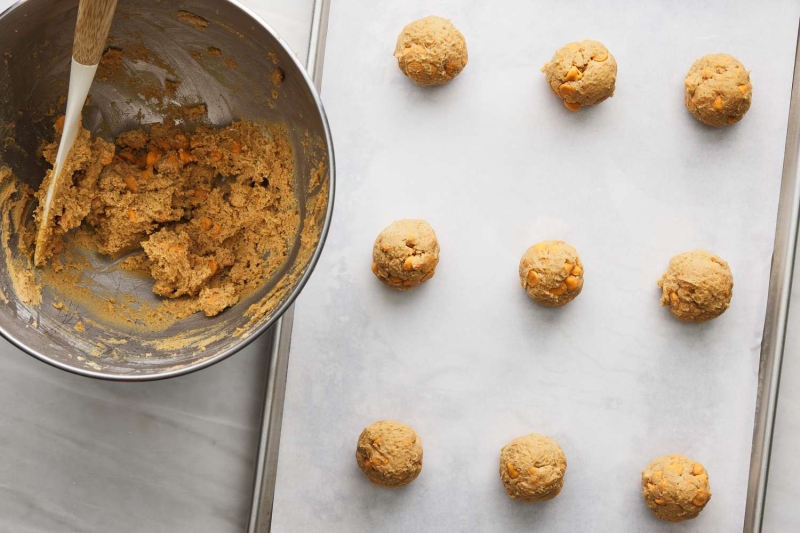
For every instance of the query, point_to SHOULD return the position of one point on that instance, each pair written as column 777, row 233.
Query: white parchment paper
column 496, row 163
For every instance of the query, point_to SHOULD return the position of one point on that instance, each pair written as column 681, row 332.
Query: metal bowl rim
column 110, row 376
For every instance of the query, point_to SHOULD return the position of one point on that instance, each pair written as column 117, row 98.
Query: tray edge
column 775, row 323
column 275, row 389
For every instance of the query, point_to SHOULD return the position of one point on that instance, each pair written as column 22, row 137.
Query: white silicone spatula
column 91, row 32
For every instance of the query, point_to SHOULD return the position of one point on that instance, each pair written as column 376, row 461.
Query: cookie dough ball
column 583, row 73
column 405, row 254
column 718, row 90
column 532, row 468
column 675, row 488
column 551, row 273
column 389, row 453
column 697, row 286
column 431, row 51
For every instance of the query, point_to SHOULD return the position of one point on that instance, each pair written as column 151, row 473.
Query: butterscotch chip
column 582, row 74
column 389, row 453
column 532, row 468
column 697, row 286
column 431, row 51
column 718, row 90
column 551, row 273
column 405, row 254
column 675, row 488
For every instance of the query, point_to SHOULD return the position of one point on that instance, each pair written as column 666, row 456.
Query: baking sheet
column 495, row 163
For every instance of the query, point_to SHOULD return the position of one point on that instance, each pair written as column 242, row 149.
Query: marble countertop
column 79, row 455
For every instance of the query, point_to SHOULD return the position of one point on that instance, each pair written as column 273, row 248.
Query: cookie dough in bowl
column 185, row 149
column 532, row 468
column 582, row 74
column 551, row 273
column 195, row 210
column 431, row 51
column 718, row 90
column 675, row 488
column 697, row 286
column 389, row 453
column 405, row 254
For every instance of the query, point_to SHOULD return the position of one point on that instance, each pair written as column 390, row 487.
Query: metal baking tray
column 772, row 346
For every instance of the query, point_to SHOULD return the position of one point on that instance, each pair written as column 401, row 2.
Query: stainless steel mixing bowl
column 35, row 45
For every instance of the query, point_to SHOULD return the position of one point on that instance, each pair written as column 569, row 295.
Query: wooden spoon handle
column 91, row 30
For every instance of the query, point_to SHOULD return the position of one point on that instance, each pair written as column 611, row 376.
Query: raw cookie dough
column 583, row 73
column 405, row 254
column 389, row 453
column 431, row 51
column 72, row 199
column 718, row 90
column 675, row 488
column 214, row 211
column 551, row 273
column 532, row 468
column 697, row 286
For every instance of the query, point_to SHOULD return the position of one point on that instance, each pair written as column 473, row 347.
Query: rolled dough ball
column 405, row 254
column 697, row 286
column 583, row 73
column 389, row 453
column 431, row 51
column 551, row 273
column 675, row 488
column 718, row 90
column 532, row 468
